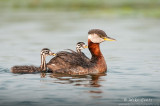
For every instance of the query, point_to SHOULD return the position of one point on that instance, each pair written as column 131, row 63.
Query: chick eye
column 46, row 51
column 78, row 45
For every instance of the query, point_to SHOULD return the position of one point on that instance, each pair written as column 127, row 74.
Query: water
column 133, row 60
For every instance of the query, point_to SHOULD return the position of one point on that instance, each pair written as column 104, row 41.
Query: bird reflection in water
column 89, row 81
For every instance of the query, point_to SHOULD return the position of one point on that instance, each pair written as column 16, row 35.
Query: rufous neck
column 94, row 49
column 97, row 57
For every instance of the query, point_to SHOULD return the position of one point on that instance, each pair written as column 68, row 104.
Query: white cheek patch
column 95, row 38
column 89, row 36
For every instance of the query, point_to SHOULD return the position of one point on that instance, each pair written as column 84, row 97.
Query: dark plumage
column 99, row 32
column 25, row 69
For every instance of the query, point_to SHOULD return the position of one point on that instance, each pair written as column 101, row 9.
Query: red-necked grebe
column 74, row 63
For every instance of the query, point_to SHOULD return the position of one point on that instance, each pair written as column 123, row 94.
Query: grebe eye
column 78, row 45
column 45, row 51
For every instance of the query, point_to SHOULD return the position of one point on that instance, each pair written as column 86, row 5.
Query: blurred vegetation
column 147, row 8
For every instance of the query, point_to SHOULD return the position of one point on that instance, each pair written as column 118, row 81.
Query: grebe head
column 80, row 46
column 45, row 52
column 98, row 36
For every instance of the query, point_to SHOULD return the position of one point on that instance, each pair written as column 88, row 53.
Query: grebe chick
column 74, row 63
column 80, row 46
column 33, row 69
column 45, row 52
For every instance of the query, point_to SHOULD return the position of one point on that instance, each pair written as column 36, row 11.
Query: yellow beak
column 109, row 39
column 85, row 46
column 53, row 54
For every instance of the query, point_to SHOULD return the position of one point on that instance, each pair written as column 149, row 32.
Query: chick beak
column 109, row 39
column 85, row 46
column 53, row 54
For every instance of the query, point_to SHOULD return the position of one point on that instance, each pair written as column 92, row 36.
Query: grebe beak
column 109, row 39
column 53, row 54
column 85, row 46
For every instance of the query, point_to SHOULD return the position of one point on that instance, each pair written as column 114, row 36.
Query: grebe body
column 76, row 64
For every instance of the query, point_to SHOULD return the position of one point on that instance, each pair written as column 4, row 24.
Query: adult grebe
column 74, row 63
column 33, row 69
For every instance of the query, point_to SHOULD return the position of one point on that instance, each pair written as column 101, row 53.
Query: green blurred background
column 120, row 8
